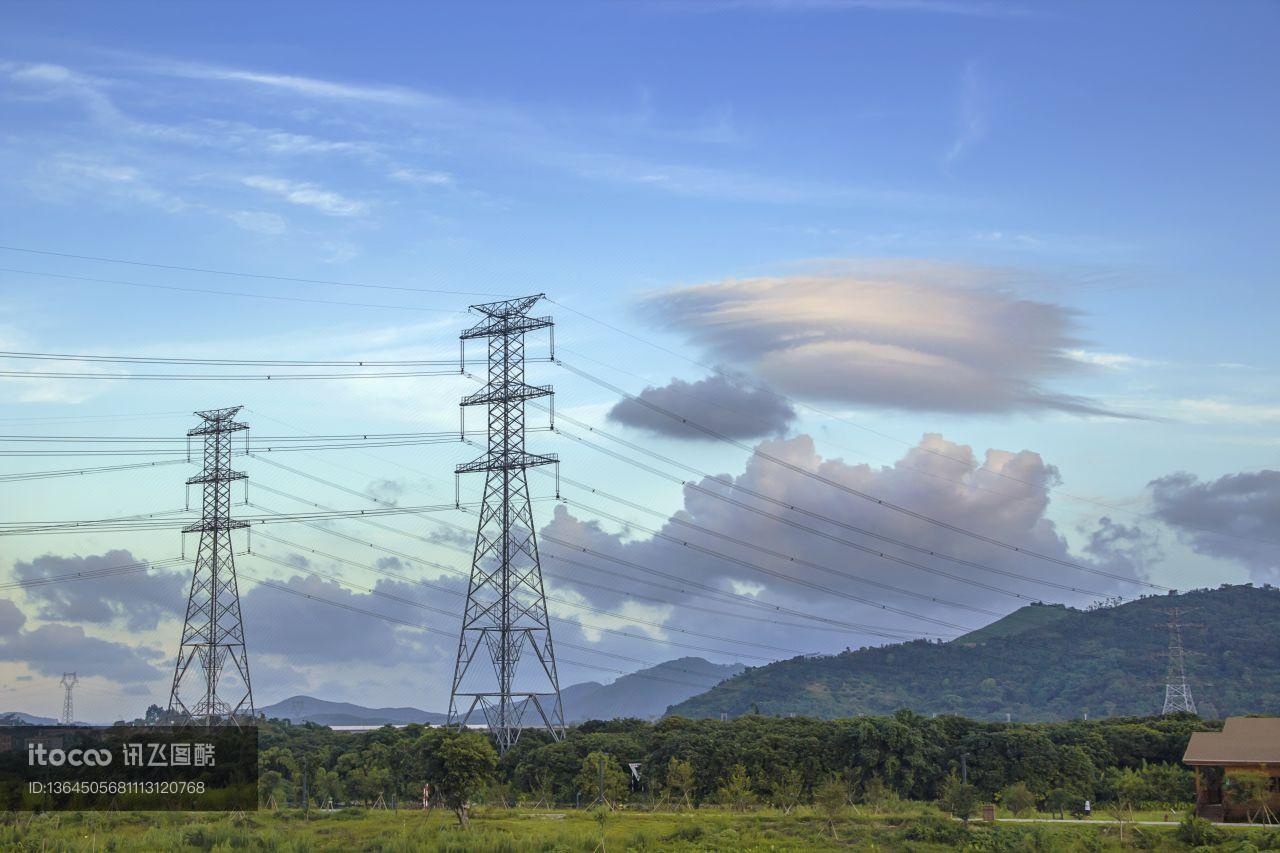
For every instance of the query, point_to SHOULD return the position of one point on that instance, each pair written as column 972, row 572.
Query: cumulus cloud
column 1234, row 517
column 904, row 336
column 1003, row 494
column 55, row 648
column 139, row 604
column 722, row 403
column 307, row 633
column 11, row 618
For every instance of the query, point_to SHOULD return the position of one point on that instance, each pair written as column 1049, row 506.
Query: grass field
column 913, row 827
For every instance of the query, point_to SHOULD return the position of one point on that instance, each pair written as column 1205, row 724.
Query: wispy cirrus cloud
column 971, row 116
column 310, row 87
column 307, row 195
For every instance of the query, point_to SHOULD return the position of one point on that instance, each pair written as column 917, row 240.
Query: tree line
column 740, row 763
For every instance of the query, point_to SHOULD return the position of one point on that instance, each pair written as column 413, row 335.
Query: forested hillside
column 1044, row 662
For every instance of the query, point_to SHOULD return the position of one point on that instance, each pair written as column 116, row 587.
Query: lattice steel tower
column 1177, row 693
column 506, row 612
column 69, row 681
column 213, row 633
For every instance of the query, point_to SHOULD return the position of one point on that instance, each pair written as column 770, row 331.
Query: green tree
column 735, row 789
column 325, row 786
column 788, row 790
column 1058, row 800
column 831, row 800
column 679, row 781
column 1018, row 798
column 460, row 767
column 875, row 794
column 598, row 766
column 959, row 798
column 271, row 789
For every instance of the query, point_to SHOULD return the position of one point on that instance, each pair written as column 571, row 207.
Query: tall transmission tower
column 506, row 611
column 1177, row 693
column 213, row 632
column 69, row 681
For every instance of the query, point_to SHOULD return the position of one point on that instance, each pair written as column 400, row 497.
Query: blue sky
column 1056, row 202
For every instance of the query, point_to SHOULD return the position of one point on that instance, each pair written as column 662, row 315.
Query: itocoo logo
column 38, row 753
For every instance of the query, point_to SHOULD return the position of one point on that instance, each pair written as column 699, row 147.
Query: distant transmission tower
column 1177, row 693
column 506, row 611
column 69, row 681
column 213, row 632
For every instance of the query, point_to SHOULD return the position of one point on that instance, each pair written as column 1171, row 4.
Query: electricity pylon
column 506, row 611
column 69, row 681
column 213, row 632
column 1177, row 693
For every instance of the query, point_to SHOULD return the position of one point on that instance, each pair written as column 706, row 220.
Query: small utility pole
column 306, row 801
column 964, row 767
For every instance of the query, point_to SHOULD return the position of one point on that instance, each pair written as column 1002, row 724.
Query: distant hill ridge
column 1042, row 662
column 644, row 694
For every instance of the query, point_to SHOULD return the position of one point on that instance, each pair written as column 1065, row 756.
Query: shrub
column 936, row 830
column 1018, row 798
column 1198, row 832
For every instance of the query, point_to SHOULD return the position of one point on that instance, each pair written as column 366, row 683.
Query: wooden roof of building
column 1243, row 740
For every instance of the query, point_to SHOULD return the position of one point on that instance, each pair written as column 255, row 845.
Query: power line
column 453, row 614
column 858, row 493
column 405, row 623
column 221, row 377
column 966, row 463
column 76, row 472
column 735, row 486
column 601, row 555
column 221, row 362
column 237, row 293
column 93, row 574
column 242, row 274
column 571, row 604
column 760, row 386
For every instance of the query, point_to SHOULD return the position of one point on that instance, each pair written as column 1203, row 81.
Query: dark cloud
column 917, row 337
column 722, row 403
column 1231, row 517
column 11, row 618
column 1003, row 495
column 54, row 648
column 308, row 632
column 139, row 601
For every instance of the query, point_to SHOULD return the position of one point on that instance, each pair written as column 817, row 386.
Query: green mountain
column 1043, row 662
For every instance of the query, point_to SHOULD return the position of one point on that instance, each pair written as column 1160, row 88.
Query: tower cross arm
column 506, row 462
column 212, row 426
column 510, row 392
column 506, row 325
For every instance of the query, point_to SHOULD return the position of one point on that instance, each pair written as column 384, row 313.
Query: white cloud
column 259, row 221
column 308, row 86
column 1211, row 410
column 425, row 179
column 1112, row 360
column 570, row 604
column 896, row 334
column 972, row 120
column 307, row 195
